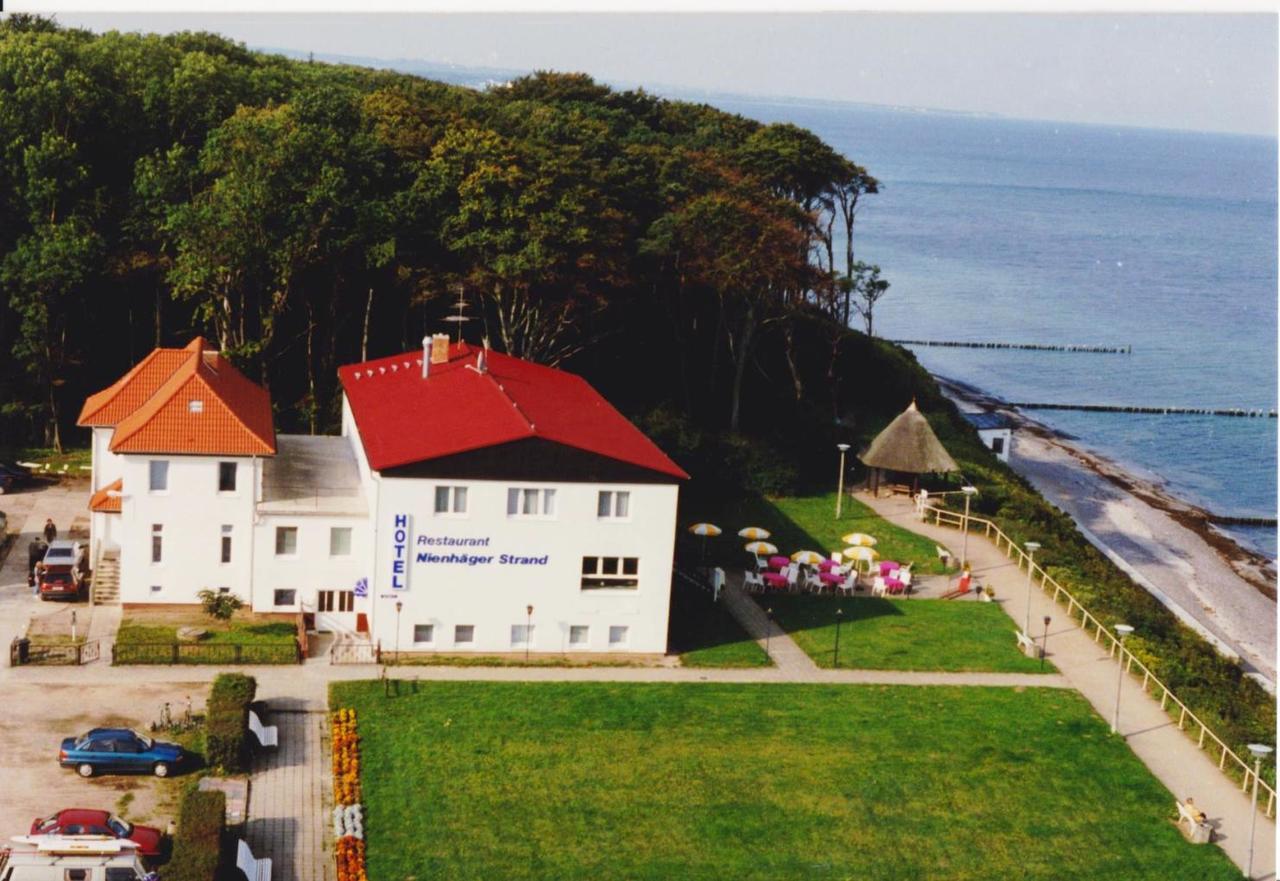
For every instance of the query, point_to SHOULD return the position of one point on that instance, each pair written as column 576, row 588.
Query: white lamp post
column 1031, row 548
column 843, row 448
column 1260, row 752
column 969, row 492
column 1124, row 630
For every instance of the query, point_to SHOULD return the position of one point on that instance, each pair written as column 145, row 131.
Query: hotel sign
column 400, row 533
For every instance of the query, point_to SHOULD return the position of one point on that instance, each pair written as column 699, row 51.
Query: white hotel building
column 466, row 487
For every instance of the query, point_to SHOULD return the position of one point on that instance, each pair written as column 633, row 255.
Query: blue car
column 119, row 749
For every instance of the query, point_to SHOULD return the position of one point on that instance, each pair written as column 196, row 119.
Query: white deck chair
column 752, row 581
column 878, row 587
column 813, row 582
column 793, row 576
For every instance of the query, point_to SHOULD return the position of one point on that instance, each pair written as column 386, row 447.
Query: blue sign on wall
column 400, row 535
column 362, row 587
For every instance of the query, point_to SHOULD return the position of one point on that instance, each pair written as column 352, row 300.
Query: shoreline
column 1220, row 588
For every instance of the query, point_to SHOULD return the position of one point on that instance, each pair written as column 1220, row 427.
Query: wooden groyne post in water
column 1160, row 411
column 1034, row 347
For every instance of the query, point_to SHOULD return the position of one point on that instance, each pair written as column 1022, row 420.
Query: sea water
column 993, row 229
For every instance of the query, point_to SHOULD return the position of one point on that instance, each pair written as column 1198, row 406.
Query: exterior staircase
column 106, row 580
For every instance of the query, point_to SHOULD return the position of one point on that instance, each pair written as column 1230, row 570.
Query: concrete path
column 788, row 657
column 1170, row 754
column 291, row 796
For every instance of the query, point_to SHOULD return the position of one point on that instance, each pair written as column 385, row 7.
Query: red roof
column 201, row 406
column 404, row 418
column 107, row 504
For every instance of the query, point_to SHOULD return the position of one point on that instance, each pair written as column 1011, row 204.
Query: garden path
column 1169, row 753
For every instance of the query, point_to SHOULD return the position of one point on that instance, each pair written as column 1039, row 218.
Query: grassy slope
column 624, row 781
column 884, row 634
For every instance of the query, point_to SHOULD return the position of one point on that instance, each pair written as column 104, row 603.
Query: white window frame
column 334, row 530
column 287, row 555
column 431, row 638
column 451, row 500
column 586, row 636
column 527, row 630
column 543, row 499
column 593, row 568
column 626, row 636
column 458, row 627
column 226, row 540
column 275, row 597
column 235, row 478
column 607, row 504
column 151, row 476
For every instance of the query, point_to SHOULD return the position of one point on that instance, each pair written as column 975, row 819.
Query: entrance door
column 336, row 610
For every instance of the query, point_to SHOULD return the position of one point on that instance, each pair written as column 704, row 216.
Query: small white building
column 995, row 430
column 474, row 502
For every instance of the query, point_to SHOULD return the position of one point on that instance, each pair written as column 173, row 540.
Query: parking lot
column 35, row 718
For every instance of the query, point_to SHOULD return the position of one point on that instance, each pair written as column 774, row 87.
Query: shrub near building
column 227, row 721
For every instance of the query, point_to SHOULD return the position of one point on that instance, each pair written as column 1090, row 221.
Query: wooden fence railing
column 1187, row 720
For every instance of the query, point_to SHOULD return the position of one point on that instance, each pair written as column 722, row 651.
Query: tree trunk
column 741, row 351
column 364, row 336
column 789, row 349
column 311, row 368
column 53, row 435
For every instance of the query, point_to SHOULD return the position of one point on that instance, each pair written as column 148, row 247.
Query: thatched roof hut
column 908, row 445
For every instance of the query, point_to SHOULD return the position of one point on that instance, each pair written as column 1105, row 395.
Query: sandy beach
column 1221, row 589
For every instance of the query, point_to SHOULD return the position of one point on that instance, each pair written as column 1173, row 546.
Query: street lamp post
column 1124, row 630
column 1260, row 752
column 399, row 606
column 839, row 618
column 843, row 448
column 1044, row 643
column 768, row 628
column 528, row 631
column 969, row 492
column 1031, row 548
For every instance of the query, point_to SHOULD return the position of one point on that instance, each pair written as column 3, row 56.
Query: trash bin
column 24, row 650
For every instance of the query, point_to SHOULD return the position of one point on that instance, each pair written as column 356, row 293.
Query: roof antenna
column 482, row 360
column 460, row 304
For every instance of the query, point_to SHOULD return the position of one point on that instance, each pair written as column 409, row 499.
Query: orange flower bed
column 349, row 849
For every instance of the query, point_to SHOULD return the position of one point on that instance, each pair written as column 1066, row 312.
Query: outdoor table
column 779, row 562
column 887, row 566
column 828, row 565
column 775, row 579
column 894, row 585
column 829, row 578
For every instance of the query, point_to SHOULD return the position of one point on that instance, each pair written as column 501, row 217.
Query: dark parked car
column 13, row 477
column 119, row 749
column 79, row 821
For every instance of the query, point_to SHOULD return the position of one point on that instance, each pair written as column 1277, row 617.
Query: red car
column 77, row 821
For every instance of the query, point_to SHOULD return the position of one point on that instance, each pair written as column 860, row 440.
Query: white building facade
column 994, row 430
column 475, row 504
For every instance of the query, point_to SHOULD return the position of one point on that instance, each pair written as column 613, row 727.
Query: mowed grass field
column 708, row 781
column 903, row 634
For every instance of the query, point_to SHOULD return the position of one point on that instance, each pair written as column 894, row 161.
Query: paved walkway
column 1170, row 754
column 290, row 797
column 788, row 657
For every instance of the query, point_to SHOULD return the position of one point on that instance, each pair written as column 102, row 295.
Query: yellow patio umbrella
column 859, row 539
column 705, row 530
column 761, row 548
column 808, row 558
column 754, row 533
column 861, row 553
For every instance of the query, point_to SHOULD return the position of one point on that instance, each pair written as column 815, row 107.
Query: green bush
column 227, row 722
column 197, row 846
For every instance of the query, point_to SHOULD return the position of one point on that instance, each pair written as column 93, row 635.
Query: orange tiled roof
column 201, row 406
column 107, row 504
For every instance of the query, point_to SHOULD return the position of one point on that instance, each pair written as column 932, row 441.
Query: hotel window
column 464, row 634
column 286, row 541
column 340, row 541
column 997, row 445
column 529, row 502
column 336, row 601
column 521, row 635
column 226, row 544
column 157, row 543
column 451, row 500
column 155, row 588
column 424, row 633
column 579, row 634
column 605, row 572
column 617, row 635
column 613, row 504
column 159, row 475
column 226, row 477
column 285, row 597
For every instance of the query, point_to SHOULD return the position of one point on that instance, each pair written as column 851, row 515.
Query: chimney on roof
column 426, row 356
column 439, row 348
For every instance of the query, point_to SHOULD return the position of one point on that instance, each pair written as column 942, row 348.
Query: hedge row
column 197, row 846
column 227, row 722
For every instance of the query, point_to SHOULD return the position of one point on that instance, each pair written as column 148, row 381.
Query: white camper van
column 72, row 858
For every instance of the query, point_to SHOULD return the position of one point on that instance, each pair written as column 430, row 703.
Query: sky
column 1193, row 71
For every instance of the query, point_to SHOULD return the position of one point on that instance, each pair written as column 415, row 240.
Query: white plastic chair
column 878, row 587
column 846, row 587
column 813, row 582
column 752, row 581
column 793, row 576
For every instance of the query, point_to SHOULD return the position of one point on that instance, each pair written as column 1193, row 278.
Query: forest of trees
column 307, row 215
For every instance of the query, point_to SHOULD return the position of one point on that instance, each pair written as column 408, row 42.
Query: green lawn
column 701, row 781
column 807, row 523
column 704, row 634
column 142, row 641
column 911, row 634
column 271, row 632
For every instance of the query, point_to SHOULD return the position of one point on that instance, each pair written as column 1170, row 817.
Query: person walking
column 35, row 555
column 50, row 531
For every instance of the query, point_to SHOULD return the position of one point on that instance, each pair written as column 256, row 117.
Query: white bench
column 1197, row 831
column 943, row 554
column 1028, row 645
column 254, row 869
column 268, row 735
